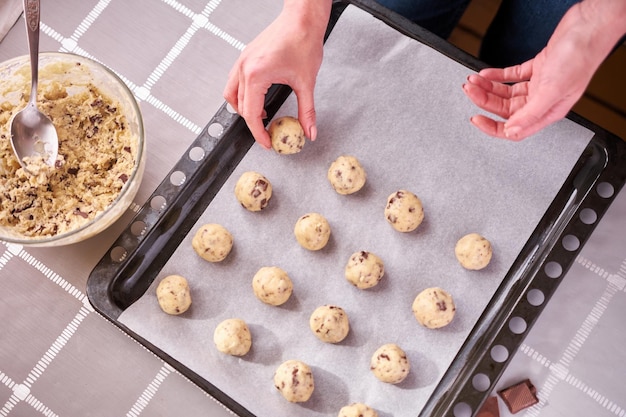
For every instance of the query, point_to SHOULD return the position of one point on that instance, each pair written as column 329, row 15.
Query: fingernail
column 512, row 132
column 313, row 133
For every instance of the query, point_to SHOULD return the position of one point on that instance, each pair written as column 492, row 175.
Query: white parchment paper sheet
column 398, row 106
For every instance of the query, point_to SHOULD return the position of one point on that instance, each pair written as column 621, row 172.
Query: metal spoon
column 32, row 132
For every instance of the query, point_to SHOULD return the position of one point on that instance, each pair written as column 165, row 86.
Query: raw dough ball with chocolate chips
column 434, row 308
column 364, row 269
column 346, row 175
column 253, row 191
column 329, row 323
column 287, row 135
column 357, row 410
column 272, row 285
column 390, row 364
column 312, row 231
column 294, row 380
column 473, row 251
column 173, row 294
column 212, row 242
column 233, row 337
column 404, row 211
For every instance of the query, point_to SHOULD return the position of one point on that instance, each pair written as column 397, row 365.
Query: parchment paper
column 398, row 106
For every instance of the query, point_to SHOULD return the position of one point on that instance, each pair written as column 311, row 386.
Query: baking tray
column 133, row 262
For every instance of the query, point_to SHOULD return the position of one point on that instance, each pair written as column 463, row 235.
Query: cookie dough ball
column 294, row 380
column 390, row 364
column 173, row 294
column 473, row 251
column 434, row 308
column 212, row 242
column 287, row 135
column 253, row 191
column 312, row 231
column 329, row 323
column 404, row 211
column 364, row 269
column 272, row 285
column 232, row 337
column 357, row 410
column 346, row 175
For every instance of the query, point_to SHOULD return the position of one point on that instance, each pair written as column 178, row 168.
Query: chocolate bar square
column 519, row 396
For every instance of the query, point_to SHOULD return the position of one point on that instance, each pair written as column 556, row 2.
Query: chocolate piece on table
column 489, row 408
column 519, row 396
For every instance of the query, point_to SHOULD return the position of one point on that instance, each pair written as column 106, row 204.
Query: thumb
column 306, row 112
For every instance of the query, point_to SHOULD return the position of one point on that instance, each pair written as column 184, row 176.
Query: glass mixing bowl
column 77, row 73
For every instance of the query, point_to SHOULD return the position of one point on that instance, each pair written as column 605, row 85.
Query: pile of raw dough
column 97, row 154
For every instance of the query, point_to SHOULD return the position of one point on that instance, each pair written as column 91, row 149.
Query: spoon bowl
column 33, row 136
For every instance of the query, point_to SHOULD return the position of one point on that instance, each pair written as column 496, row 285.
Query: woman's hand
column 541, row 91
column 289, row 51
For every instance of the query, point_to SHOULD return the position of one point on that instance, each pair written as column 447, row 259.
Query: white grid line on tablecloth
column 21, row 392
column 559, row 371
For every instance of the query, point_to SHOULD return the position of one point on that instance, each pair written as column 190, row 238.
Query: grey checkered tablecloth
column 58, row 357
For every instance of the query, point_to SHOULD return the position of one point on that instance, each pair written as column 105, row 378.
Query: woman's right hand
column 289, row 51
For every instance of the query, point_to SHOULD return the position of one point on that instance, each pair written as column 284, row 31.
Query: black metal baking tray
column 137, row 256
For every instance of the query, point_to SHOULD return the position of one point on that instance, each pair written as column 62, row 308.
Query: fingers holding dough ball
column 212, row 242
column 286, row 135
column 312, row 231
column 173, row 294
column 404, row 211
column 253, row 191
column 232, row 337
column 434, row 308
column 390, row 364
column 473, row 251
column 357, row 410
column 329, row 323
column 272, row 285
column 294, row 380
column 346, row 175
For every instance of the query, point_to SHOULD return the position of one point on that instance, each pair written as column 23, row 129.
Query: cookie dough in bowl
column 101, row 152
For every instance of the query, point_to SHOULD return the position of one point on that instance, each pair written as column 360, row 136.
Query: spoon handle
column 31, row 16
